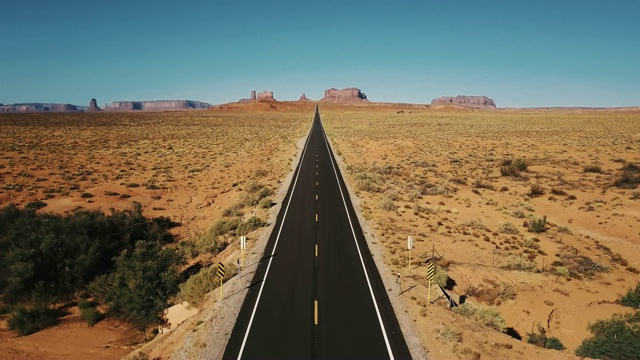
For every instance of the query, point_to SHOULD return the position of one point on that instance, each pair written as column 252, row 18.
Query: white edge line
column 373, row 297
column 264, row 280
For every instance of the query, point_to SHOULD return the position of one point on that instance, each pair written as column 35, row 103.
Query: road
column 317, row 292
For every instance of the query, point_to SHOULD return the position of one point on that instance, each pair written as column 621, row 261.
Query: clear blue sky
column 520, row 53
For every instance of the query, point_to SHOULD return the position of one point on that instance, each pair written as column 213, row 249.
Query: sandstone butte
column 344, row 95
column 93, row 106
column 157, row 105
column 303, row 98
column 465, row 101
column 28, row 107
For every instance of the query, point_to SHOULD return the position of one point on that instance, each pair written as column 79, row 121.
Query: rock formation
column 266, row 95
column 344, row 95
column 31, row 107
column 93, row 106
column 158, row 105
column 303, row 98
column 465, row 101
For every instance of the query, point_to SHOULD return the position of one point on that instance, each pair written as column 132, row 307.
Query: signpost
column 409, row 246
column 243, row 247
column 221, row 273
column 431, row 270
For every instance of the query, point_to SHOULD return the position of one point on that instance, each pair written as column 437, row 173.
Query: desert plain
column 468, row 185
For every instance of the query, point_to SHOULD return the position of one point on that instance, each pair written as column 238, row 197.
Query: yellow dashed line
column 316, row 217
column 315, row 312
column 316, row 250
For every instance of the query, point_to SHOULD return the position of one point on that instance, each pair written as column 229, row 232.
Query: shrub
column 234, row 210
column 562, row 271
column 253, row 186
column 541, row 340
column 486, row 316
column 387, row 204
column 28, row 321
column 632, row 298
column 90, row 315
column 615, row 338
column 266, row 203
column 627, row 180
column 35, row 205
column 537, row 225
column 441, row 277
column 508, row 228
column 206, row 280
column 536, row 190
column 86, row 195
column 515, row 262
column 479, row 184
column 520, row 164
column 251, row 224
column 592, row 169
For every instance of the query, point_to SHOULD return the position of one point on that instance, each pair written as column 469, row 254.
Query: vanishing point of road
column 317, row 292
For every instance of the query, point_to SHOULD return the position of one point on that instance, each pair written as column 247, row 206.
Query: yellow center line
column 316, row 217
column 316, row 250
column 315, row 312
column 316, row 196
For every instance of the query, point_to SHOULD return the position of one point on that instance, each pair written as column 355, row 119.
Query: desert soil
column 430, row 173
column 188, row 166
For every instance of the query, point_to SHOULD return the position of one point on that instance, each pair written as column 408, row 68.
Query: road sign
column 243, row 242
column 221, row 271
column 410, row 243
column 431, row 270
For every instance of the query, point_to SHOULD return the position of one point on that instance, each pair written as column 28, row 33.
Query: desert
column 526, row 212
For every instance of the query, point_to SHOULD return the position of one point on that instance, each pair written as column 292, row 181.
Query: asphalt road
column 316, row 292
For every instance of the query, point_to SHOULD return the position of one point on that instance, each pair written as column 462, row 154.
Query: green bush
column 486, row 316
column 266, row 203
column 515, row 262
column 91, row 315
column 538, row 225
column 554, row 343
column 508, row 228
column 541, row 340
column 441, row 277
column 615, row 338
column 143, row 280
column 536, row 190
column 632, row 298
column 195, row 289
column 28, row 321
column 47, row 257
column 251, row 224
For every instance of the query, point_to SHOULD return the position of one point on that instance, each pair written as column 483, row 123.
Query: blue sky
column 520, row 53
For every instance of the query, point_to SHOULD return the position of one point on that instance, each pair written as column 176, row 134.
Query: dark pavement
column 311, row 296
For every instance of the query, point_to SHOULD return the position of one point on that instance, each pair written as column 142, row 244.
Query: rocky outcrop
column 266, row 95
column 93, row 106
column 36, row 107
column 158, row 105
column 303, row 98
column 465, row 101
column 344, row 95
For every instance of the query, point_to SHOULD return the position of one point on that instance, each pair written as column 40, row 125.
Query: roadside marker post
column 409, row 246
column 243, row 247
column 221, row 273
column 430, row 274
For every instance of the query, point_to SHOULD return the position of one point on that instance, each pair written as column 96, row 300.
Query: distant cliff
column 31, row 107
column 465, row 101
column 344, row 95
column 157, row 105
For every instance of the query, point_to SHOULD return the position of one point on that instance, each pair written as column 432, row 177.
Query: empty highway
column 317, row 292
